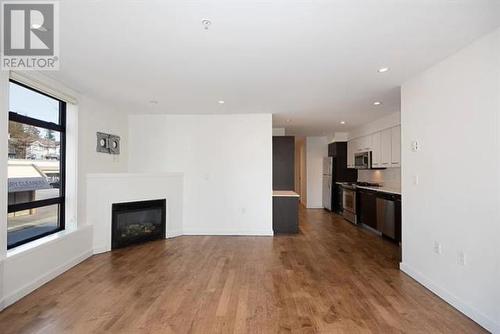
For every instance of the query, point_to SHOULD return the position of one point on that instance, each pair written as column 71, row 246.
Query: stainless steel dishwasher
column 389, row 215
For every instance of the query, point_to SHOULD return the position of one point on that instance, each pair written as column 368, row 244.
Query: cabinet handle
column 385, row 163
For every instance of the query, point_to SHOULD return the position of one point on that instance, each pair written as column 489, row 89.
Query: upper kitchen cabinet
column 385, row 148
column 364, row 144
column 376, row 147
column 283, row 163
column 350, row 153
column 396, row 146
column 332, row 150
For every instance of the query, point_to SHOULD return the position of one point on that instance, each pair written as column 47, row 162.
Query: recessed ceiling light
column 383, row 69
column 377, row 103
column 221, row 101
column 342, row 122
column 288, row 120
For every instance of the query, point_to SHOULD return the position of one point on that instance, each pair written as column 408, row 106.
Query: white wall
column 95, row 116
column 453, row 110
column 316, row 150
column 278, row 131
column 227, row 166
column 28, row 268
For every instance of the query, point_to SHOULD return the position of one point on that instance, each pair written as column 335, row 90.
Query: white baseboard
column 486, row 322
column 32, row 286
column 173, row 233
column 101, row 249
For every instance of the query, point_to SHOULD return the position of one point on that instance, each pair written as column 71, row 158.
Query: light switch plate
column 415, row 146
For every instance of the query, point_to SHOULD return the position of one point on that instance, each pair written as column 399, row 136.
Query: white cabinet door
column 355, row 146
column 364, row 144
column 376, row 154
column 354, row 150
column 385, row 148
column 359, row 144
column 396, row 146
column 368, row 143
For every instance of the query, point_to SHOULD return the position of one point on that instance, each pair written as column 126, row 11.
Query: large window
column 36, row 173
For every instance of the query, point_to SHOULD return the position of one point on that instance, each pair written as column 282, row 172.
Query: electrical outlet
column 415, row 179
column 461, row 258
column 438, row 248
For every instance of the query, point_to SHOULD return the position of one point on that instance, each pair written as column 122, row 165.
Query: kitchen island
column 285, row 211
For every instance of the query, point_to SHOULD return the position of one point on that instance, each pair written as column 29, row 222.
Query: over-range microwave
column 363, row 160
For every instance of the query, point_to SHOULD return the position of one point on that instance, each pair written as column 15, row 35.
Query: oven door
column 349, row 204
column 349, row 200
column 363, row 160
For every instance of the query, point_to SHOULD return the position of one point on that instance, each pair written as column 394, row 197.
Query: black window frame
column 60, row 201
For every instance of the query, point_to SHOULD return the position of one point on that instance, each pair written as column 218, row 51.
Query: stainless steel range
column 349, row 199
column 349, row 202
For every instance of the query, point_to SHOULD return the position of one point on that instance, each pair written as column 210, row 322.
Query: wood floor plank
column 330, row 278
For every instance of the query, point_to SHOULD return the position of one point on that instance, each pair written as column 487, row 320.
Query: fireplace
column 137, row 222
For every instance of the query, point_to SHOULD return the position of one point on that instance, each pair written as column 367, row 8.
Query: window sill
column 33, row 245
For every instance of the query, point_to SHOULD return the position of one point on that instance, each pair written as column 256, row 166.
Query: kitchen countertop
column 389, row 190
column 285, row 193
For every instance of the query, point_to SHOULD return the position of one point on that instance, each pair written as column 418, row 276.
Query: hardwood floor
column 331, row 278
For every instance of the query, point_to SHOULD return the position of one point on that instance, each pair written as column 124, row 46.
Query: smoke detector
column 206, row 23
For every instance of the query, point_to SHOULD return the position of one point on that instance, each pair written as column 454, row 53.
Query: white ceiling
column 312, row 62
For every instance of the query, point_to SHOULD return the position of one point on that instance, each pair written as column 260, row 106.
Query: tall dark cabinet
column 338, row 152
column 285, row 200
column 283, row 163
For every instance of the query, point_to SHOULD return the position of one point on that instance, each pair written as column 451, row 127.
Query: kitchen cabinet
column 396, row 146
column 338, row 152
column 364, row 144
column 285, row 214
column 355, row 146
column 331, row 150
column 366, row 203
column 385, row 148
column 376, row 146
column 380, row 211
column 350, row 154
column 283, row 163
column 337, row 199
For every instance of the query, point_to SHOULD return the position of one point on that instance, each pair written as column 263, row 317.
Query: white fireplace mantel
column 105, row 189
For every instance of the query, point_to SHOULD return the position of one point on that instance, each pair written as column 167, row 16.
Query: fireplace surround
column 137, row 222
